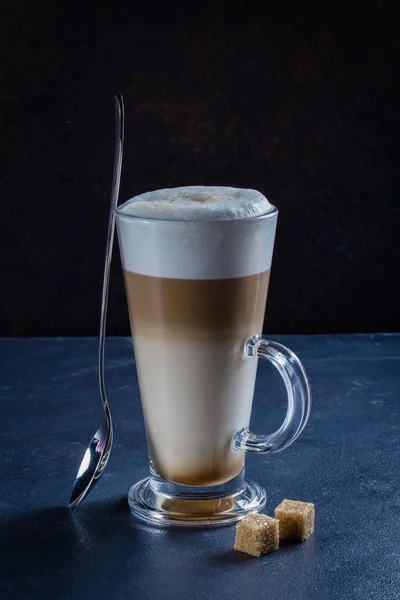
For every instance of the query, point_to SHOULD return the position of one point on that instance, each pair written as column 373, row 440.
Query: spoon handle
column 119, row 143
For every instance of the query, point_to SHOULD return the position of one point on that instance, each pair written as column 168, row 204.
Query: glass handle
column 298, row 392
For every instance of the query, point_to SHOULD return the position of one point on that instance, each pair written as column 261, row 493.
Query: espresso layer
column 198, row 308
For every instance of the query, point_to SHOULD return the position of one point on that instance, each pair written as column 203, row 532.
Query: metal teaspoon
column 98, row 452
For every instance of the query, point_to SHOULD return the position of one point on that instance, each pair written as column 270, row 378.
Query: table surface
column 346, row 462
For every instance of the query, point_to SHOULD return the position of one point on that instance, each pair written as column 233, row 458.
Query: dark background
column 296, row 101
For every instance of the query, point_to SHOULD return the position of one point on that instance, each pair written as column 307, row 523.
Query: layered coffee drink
column 196, row 291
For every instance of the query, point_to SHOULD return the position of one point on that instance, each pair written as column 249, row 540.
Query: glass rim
column 183, row 222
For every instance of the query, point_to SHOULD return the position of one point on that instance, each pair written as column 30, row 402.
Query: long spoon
column 98, row 452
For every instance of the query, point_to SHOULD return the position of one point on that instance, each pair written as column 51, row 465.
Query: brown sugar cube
column 257, row 534
column 296, row 519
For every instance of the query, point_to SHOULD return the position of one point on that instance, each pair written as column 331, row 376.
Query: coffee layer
column 196, row 382
column 196, row 308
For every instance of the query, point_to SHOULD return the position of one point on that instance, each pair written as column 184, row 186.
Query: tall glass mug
column 196, row 292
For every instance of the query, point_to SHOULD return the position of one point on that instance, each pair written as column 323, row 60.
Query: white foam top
column 198, row 203
column 197, row 233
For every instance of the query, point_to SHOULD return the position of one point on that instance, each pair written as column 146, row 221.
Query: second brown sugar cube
column 296, row 519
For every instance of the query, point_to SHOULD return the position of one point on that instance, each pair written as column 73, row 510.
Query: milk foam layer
column 198, row 203
column 211, row 247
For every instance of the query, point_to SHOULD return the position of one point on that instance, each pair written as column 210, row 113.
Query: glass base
column 166, row 504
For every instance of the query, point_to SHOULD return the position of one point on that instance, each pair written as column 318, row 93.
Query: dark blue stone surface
column 346, row 462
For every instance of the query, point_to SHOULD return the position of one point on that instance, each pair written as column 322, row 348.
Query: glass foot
column 194, row 509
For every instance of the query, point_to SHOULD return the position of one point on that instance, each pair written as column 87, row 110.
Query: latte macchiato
column 196, row 293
